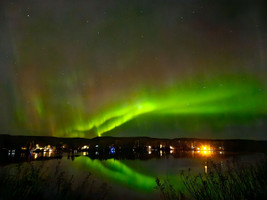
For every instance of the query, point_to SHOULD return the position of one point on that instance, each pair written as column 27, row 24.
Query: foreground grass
column 232, row 181
column 32, row 181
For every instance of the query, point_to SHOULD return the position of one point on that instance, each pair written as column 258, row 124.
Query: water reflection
column 37, row 155
column 117, row 172
column 114, row 170
column 132, row 170
column 206, row 169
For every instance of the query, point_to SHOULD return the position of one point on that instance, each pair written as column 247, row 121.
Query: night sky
column 169, row 68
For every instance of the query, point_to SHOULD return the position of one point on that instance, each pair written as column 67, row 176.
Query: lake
column 130, row 176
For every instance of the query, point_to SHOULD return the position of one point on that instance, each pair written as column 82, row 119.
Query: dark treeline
column 236, row 145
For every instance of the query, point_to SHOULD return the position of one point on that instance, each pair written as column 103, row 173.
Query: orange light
column 204, row 152
column 205, row 148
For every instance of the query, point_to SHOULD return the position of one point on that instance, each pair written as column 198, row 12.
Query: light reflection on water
column 140, row 174
column 136, row 173
column 116, row 171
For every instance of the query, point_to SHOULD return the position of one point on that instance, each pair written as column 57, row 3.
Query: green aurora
column 242, row 98
column 100, row 68
column 116, row 171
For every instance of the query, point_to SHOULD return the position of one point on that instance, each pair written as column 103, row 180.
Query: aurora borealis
column 179, row 68
column 211, row 99
column 118, row 172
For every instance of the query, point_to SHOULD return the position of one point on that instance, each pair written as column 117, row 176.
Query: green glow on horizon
column 212, row 97
column 116, row 171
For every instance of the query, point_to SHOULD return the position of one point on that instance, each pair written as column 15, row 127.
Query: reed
column 32, row 181
column 233, row 181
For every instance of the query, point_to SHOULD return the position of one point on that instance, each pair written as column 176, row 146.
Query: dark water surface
column 131, row 177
